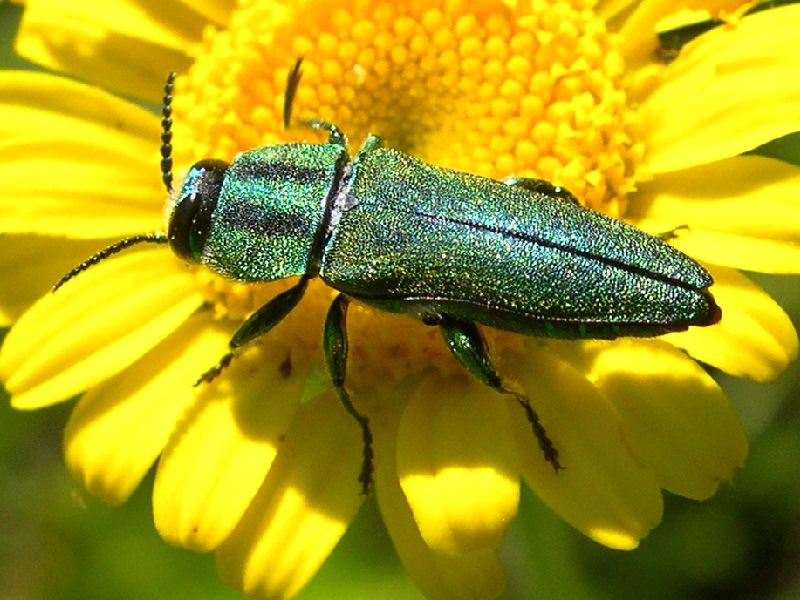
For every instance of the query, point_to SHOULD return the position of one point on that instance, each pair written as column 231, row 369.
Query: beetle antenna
column 143, row 238
column 166, row 133
column 292, row 83
column 166, row 177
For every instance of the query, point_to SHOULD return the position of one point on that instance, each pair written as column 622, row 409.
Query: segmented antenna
column 166, row 177
column 166, row 133
column 292, row 81
column 144, row 238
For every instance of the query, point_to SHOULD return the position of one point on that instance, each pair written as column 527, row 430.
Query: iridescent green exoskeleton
column 448, row 248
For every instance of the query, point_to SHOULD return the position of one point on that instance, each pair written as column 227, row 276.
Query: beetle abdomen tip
column 713, row 314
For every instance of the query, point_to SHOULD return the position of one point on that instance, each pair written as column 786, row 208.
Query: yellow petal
column 126, row 46
column 81, row 163
column 219, row 454
column 119, row 427
column 43, row 102
column 754, row 339
column 602, row 490
column 76, row 189
column 677, row 420
column 729, row 91
column 607, row 9
column 217, row 11
column 457, row 466
column 740, row 212
column 31, row 265
column 95, row 326
column 306, row 502
column 438, row 575
column 744, row 252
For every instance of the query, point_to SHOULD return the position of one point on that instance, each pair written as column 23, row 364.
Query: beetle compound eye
column 191, row 219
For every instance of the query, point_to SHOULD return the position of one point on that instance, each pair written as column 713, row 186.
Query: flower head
column 261, row 464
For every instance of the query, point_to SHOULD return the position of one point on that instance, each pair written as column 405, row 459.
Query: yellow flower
column 262, row 463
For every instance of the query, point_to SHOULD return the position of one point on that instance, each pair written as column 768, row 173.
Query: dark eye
column 191, row 218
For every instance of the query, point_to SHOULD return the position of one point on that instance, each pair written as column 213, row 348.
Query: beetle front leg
column 469, row 347
column 335, row 345
column 335, row 136
column 259, row 323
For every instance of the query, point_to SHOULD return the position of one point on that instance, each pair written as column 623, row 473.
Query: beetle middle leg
column 469, row 347
column 666, row 236
column 541, row 186
column 335, row 345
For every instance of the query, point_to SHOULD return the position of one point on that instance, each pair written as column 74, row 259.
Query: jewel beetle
column 451, row 249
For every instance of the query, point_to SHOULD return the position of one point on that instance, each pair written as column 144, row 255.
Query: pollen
column 482, row 87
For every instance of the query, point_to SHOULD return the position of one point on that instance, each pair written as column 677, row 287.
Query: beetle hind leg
column 469, row 348
column 335, row 345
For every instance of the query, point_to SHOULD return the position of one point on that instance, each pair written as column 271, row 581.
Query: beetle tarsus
column 469, row 347
column 335, row 344
column 365, row 477
column 545, row 443
column 216, row 370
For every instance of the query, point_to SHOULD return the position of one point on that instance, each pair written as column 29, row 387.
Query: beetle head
column 190, row 218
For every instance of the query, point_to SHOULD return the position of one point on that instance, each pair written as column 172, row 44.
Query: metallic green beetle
column 449, row 248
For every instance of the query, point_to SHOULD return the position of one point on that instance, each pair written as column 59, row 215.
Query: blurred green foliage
column 59, row 543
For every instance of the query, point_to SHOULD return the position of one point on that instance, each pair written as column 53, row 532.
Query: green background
column 59, row 543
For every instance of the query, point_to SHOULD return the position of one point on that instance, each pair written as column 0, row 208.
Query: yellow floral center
column 478, row 86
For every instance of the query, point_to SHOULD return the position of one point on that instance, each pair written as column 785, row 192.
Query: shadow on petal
column 445, row 576
column 677, row 420
column 221, row 451
column 457, row 465
column 303, row 507
column 120, row 426
column 602, row 490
